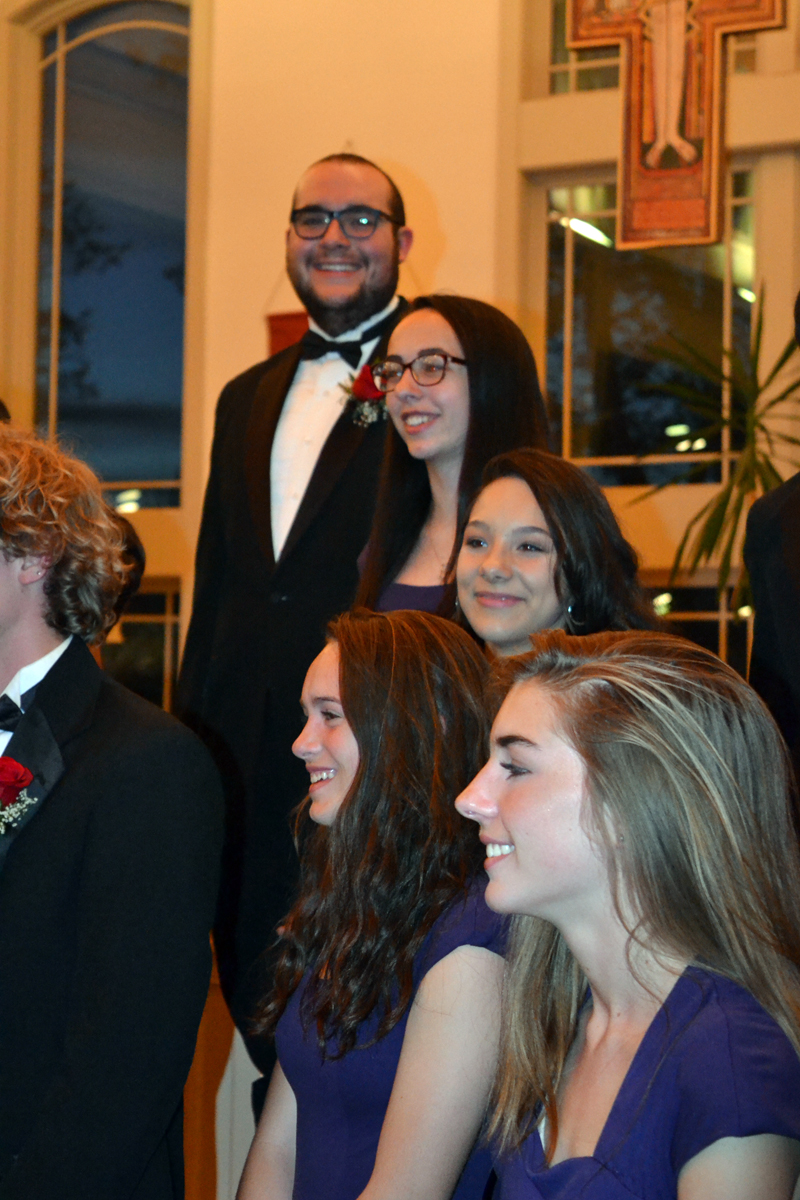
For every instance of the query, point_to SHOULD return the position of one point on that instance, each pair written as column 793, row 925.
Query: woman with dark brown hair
column 386, row 1002
column 540, row 549
column 461, row 386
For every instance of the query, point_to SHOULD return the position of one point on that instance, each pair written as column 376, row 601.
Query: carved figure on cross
column 671, row 161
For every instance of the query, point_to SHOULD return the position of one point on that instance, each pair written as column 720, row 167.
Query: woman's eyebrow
column 515, row 739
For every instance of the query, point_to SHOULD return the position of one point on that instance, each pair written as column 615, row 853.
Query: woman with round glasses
column 541, row 549
column 637, row 818
column 387, row 993
column 461, row 386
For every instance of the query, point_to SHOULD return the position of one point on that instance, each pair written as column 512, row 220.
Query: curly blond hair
column 51, row 505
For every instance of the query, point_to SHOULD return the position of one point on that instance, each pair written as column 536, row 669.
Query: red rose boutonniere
column 362, row 399
column 14, row 799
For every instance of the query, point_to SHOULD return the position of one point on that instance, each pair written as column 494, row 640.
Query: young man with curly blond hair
column 110, row 833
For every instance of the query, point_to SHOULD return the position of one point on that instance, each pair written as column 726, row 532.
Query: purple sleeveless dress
column 713, row 1064
column 410, row 595
column 341, row 1102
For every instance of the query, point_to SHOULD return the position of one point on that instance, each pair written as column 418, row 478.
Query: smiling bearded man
column 288, row 510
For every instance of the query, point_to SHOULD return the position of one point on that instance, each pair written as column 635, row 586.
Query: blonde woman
column 635, row 810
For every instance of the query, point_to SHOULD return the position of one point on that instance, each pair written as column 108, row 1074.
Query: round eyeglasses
column 426, row 369
column 357, row 221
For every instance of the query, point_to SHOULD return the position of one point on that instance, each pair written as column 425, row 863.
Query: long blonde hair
column 684, row 761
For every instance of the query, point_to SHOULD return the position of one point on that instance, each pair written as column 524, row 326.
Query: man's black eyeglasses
column 357, row 221
column 427, row 369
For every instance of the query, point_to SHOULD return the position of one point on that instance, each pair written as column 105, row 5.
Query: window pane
column 132, row 499
column 120, row 376
column 148, row 603
column 737, row 646
column 149, row 10
column 594, row 52
column 590, row 79
column 704, row 633
column 558, row 33
column 555, row 333
column 694, row 600
column 742, row 184
column 595, row 198
column 138, row 660
column 628, row 305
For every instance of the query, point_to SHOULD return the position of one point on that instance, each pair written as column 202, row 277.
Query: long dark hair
column 506, row 410
column 596, row 567
column 398, row 853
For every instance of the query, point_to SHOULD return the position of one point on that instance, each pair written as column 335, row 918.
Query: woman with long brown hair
column 635, row 812
column 461, row 386
column 387, row 994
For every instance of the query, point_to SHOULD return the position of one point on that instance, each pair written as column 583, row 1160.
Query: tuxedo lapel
column 343, row 441
column 62, row 707
column 264, row 416
column 35, row 746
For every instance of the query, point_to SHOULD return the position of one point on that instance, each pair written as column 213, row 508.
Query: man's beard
column 337, row 319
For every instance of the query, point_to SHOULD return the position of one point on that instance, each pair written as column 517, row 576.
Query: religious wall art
column 672, row 156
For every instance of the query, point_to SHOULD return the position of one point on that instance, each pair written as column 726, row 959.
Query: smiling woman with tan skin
column 540, row 548
column 387, row 994
column 461, row 386
column 636, row 815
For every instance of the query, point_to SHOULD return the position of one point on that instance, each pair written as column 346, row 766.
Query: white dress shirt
column 28, row 677
column 313, row 406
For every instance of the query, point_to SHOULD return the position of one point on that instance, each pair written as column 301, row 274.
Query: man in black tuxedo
column 772, row 555
column 287, row 512
column 110, row 836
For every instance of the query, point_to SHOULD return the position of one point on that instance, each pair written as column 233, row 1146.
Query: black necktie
column 313, row 345
column 10, row 714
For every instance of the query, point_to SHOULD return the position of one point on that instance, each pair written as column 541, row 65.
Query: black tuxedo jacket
column 256, row 626
column 772, row 555
column 107, row 891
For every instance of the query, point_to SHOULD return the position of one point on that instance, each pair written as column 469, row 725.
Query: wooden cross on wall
column 671, row 163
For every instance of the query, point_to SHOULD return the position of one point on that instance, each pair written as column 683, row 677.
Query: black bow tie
column 11, row 713
column 313, row 345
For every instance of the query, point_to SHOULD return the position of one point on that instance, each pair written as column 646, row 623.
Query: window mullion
column 58, row 193
column 566, row 381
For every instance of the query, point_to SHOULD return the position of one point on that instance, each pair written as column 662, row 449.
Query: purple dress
column 713, row 1064
column 411, row 595
column 341, row 1102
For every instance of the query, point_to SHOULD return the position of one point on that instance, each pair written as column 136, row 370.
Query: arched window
column 111, row 244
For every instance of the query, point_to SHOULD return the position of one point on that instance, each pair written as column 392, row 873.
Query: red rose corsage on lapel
column 14, row 798
column 362, row 400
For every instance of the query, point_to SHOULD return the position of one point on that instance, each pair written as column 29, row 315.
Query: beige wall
column 410, row 83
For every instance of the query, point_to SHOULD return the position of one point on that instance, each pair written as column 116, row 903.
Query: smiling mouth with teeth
column 319, row 776
column 418, row 419
column 498, row 849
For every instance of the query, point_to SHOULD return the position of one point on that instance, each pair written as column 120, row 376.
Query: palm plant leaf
column 715, row 530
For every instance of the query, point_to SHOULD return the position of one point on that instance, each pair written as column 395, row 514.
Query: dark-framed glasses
column 356, row 221
column 427, row 368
